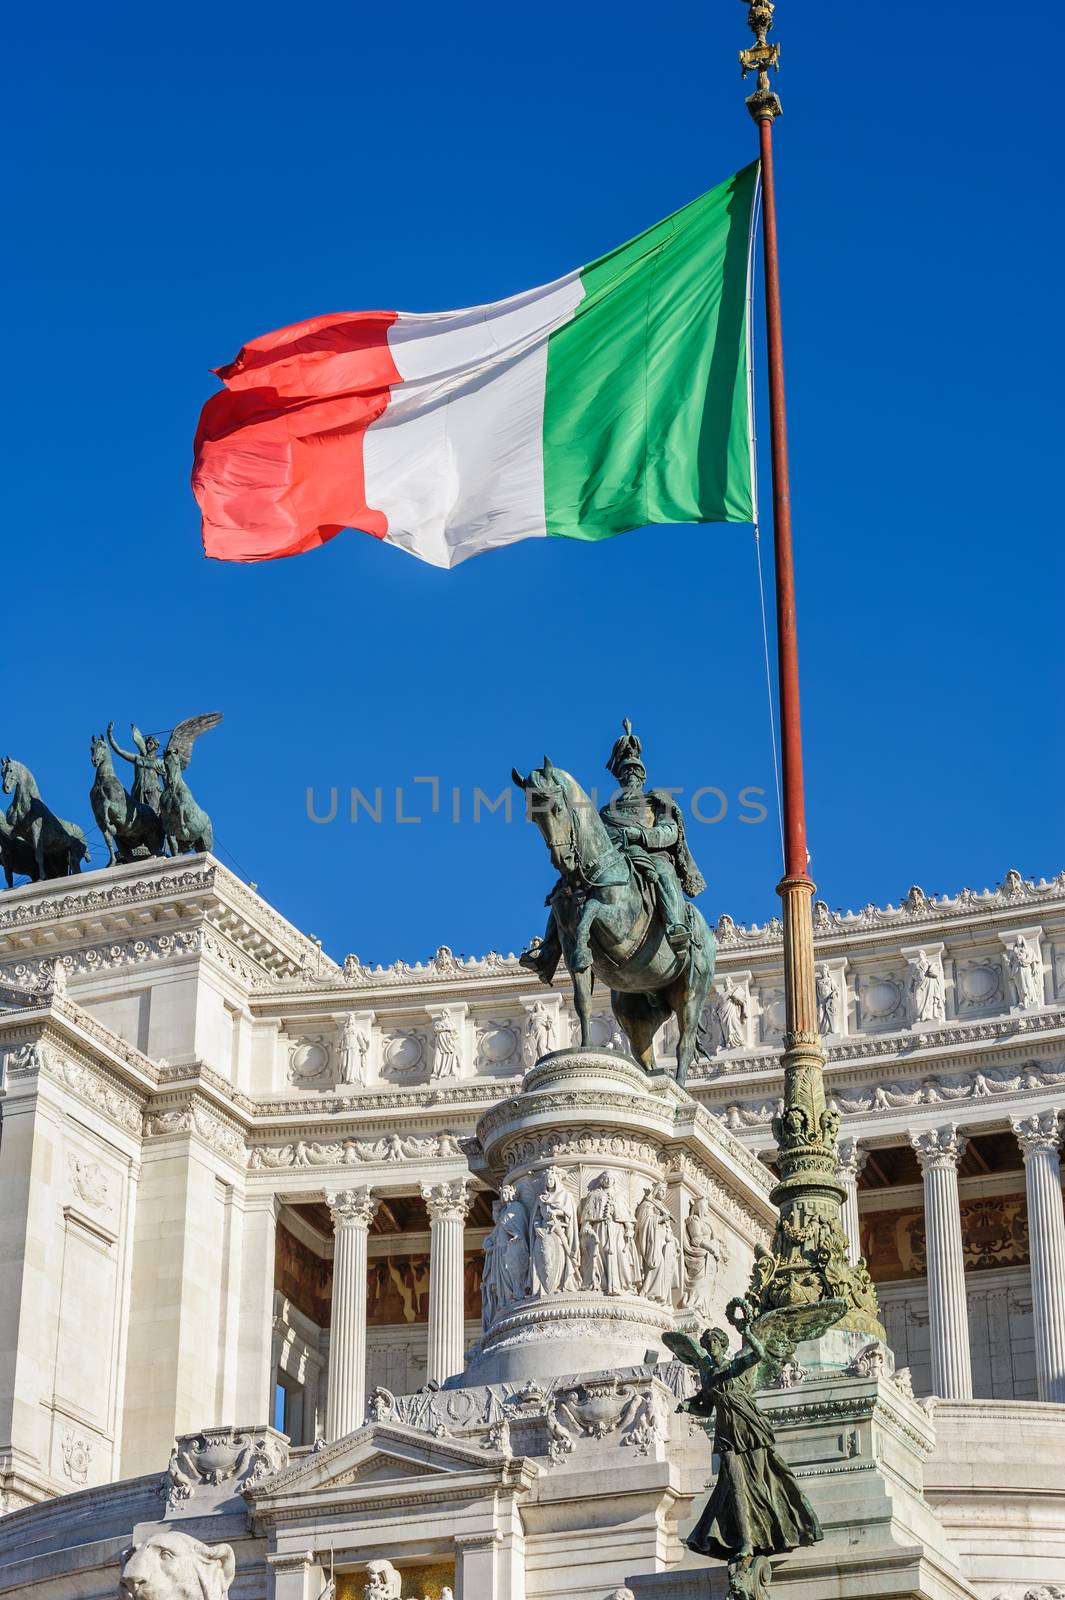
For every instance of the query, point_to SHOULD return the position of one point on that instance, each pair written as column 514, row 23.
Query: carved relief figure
column 506, row 1255
column 926, row 989
column 539, row 1033
column 354, row 1049
column 447, row 1048
column 702, row 1258
column 827, row 1002
column 658, row 1246
column 553, row 1238
column 729, row 1013
column 175, row 1566
column 1025, row 969
column 607, row 1237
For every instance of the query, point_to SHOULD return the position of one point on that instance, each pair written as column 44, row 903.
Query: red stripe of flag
column 279, row 452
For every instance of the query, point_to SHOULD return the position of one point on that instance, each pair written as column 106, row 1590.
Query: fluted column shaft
column 447, row 1205
column 1040, row 1141
column 850, row 1160
column 352, row 1211
column 939, row 1150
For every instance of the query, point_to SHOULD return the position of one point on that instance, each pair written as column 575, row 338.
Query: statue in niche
column 730, row 1016
column 553, row 1247
column 539, row 1033
column 658, row 1246
column 756, row 1509
column 827, row 1002
column 702, row 1258
column 1026, row 974
column 147, row 765
column 354, row 1050
column 926, row 989
column 383, row 1581
column 506, row 1255
column 608, row 1261
column 447, row 1048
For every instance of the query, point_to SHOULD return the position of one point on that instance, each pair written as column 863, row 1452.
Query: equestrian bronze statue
column 618, row 910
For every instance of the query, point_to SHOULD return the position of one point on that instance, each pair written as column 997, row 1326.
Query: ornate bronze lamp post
column 806, row 1281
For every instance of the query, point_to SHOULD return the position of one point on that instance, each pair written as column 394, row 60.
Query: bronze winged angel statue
column 186, row 825
column 756, row 1508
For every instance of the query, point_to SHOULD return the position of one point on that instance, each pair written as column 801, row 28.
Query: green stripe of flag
column 646, row 411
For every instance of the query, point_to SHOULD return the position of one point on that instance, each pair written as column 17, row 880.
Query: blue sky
column 178, row 181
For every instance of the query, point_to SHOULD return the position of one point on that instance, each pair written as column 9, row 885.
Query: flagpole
column 808, row 1194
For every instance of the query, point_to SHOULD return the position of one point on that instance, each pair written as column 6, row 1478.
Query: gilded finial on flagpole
column 763, row 104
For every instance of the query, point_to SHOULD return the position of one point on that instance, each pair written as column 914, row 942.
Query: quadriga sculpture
column 58, row 847
column 130, row 828
column 186, row 825
column 174, row 1566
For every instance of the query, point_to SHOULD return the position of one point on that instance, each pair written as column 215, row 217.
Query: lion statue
column 174, row 1566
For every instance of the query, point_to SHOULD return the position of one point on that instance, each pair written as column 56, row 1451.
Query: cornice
column 917, row 911
column 904, row 1045
column 199, row 890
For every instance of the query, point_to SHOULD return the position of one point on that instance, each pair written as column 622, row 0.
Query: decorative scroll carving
column 221, row 1456
column 350, row 1152
column 77, row 1457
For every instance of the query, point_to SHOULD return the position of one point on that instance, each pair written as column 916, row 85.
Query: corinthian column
column 447, row 1205
column 939, row 1150
column 850, row 1160
column 352, row 1211
column 1040, row 1140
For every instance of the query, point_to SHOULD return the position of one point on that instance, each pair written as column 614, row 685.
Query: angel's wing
column 685, row 1349
column 138, row 738
column 186, row 733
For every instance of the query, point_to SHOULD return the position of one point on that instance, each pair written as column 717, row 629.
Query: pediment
column 382, row 1468
column 378, row 1454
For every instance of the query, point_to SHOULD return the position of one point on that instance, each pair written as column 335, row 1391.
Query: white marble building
column 242, row 1184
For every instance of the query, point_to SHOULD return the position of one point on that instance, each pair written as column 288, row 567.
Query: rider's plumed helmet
column 626, row 751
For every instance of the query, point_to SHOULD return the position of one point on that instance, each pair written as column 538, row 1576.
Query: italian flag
column 615, row 397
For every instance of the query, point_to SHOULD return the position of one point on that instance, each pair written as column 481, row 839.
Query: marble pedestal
column 606, row 1134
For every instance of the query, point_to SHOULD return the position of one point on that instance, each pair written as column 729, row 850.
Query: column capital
column 447, row 1202
column 1042, row 1131
column 850, row 1160
column 352, row 1208
column 939, row 1149
column 290, row 1561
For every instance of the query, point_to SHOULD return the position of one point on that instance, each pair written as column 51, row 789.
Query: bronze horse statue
column 608, row 925
column 58, row 847
column 130, row 829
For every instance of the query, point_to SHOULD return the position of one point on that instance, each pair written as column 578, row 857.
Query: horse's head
column 9, row 774
column 559, row 806
column 98, row 750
